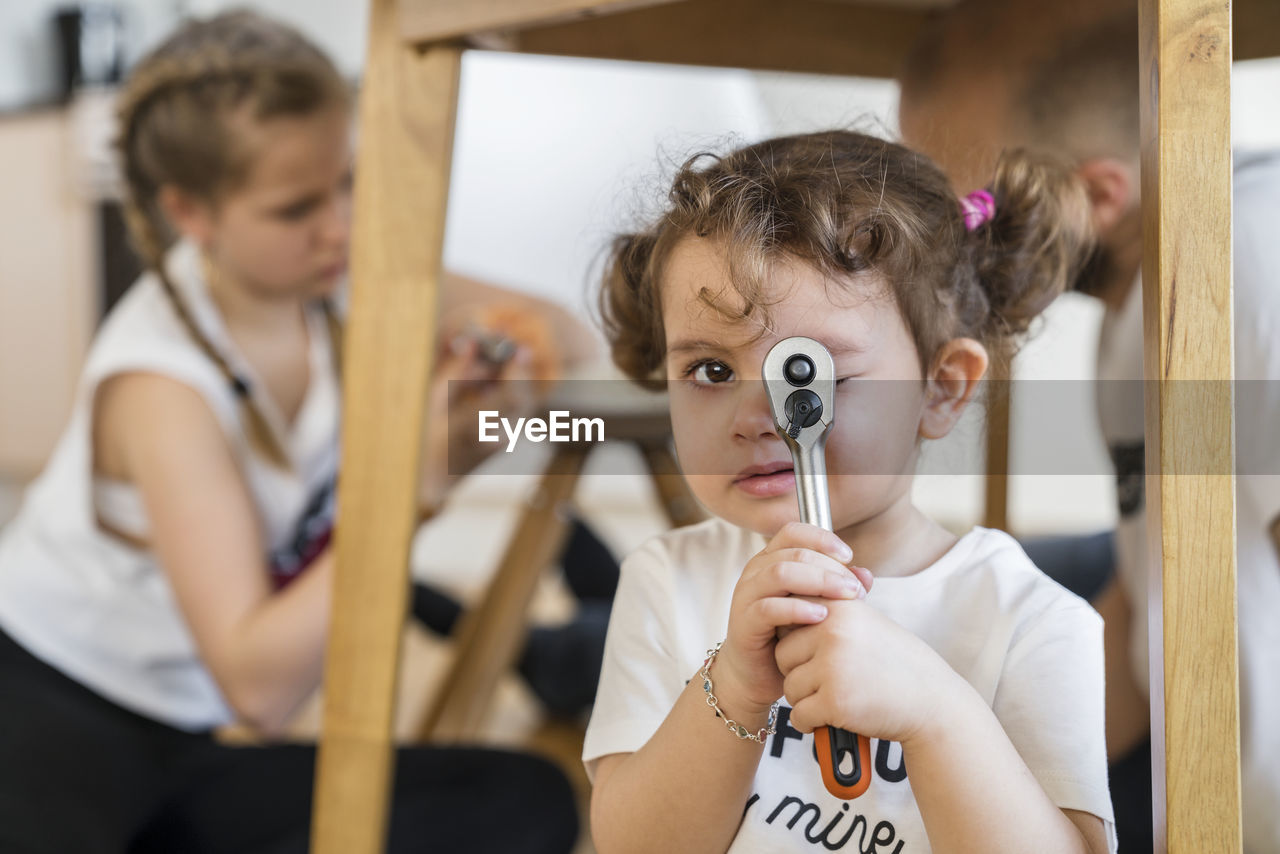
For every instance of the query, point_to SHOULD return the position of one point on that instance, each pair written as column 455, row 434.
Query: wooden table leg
column 407, row 110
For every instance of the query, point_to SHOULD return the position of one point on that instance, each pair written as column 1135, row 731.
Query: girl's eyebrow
column 844, row 348
column 836, row 348
column 296, row 201
column 685, row 346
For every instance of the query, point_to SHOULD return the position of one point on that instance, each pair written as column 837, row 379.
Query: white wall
column 552, row 156
column 1255, row 104
column 48, row 259
column 29, row 60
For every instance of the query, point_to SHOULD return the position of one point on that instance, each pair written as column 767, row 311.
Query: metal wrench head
column 800, row 381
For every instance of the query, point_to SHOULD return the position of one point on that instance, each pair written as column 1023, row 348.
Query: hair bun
column 1035, row 243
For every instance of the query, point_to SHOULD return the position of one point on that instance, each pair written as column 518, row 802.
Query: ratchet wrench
column 800, row 380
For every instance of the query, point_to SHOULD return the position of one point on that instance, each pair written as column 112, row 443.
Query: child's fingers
column 770, row 613
column 512, row 390
column 519, row 368
column 795, row 649
column 806, row 715
column 864, row 575
column 805, row 536
column 459, row 366
column 807, row 573
column 800, row 683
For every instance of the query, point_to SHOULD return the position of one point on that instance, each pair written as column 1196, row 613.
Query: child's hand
column 860, row 671
column 525, row 326
column 800, row 561
column 463, row 384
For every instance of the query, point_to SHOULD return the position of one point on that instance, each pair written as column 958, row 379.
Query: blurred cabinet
column 49, row 280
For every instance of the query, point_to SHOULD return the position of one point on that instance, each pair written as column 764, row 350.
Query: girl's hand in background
column 525, row 327
column 463, row 383
column 792, row 582
column 860, row 671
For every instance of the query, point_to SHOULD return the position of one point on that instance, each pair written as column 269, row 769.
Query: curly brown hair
column 848, row 203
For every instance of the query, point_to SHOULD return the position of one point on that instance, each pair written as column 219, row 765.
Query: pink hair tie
column 978, row 207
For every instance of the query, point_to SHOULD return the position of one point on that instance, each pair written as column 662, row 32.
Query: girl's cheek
column 694, row 446
column 868, row 445
column 704, row 438
column 876, row 425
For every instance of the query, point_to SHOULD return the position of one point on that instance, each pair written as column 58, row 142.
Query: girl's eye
column 293, row 213
column 847, row 381
column 709, row 372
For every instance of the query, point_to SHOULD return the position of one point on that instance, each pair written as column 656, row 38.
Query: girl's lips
column 768, row 485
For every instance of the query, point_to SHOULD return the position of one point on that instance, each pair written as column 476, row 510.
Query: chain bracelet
column 770, row 727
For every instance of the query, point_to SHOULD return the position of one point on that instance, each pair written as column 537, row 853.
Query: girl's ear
column 190, row 216
column 957, row 369
column 1113, row 190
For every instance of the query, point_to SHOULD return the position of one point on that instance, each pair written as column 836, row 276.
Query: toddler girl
column 978, row 680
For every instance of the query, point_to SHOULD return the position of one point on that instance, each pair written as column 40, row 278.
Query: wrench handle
column 833, row 745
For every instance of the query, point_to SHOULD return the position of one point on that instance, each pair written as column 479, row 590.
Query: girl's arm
column 1128, row 712
column 462, row 385
column 976, row 794
column 686, row 789
column 549, row 339
column 861, row 671
column 264, row 650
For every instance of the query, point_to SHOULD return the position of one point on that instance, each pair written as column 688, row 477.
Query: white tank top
column 101, row 610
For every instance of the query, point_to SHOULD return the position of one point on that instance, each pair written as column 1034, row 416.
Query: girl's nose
column 752, row 419
column 336, row 229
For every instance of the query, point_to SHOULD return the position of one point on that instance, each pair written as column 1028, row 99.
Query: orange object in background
column 524, row 328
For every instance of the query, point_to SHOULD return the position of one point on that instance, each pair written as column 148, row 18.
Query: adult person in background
column 991, row 74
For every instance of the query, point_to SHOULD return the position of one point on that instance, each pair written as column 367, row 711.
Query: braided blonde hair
column 176, row 128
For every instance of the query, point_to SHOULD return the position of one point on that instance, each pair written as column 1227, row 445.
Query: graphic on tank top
column 311, row 537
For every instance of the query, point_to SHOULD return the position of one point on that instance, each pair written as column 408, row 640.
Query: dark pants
column 80, row 775
column 1084, row 565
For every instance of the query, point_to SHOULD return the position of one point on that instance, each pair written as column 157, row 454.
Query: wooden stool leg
column 995, row 512
column 489, row 635
column 407, row 114
column 677, row 501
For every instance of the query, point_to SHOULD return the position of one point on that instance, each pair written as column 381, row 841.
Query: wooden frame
column 1185, row 57
column 407, row 113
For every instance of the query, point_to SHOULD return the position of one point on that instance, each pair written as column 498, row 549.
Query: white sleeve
column 640, row 678
column 1256, row 257
column 1051, row 703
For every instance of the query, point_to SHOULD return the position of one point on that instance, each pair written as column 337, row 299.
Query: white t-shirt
column 100, row 609
column 1031, row 649
column 1256, row 281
